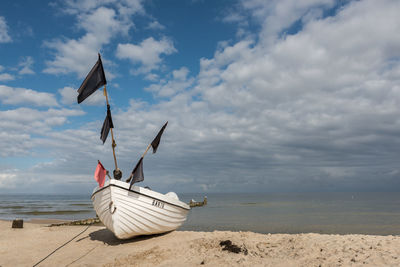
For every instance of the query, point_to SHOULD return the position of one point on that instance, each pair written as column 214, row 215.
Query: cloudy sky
column 261, row 96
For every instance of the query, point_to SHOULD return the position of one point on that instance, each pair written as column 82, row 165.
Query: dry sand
column 98, row 247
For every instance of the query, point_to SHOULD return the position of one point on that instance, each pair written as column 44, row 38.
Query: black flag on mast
column 108, row 123
column 156, row 140
column 137, row 173
column 93, row 81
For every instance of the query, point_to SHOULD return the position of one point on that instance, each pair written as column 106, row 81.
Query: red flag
column 100, row 174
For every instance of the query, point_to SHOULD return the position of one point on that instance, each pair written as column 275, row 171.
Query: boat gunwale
column 140, row 193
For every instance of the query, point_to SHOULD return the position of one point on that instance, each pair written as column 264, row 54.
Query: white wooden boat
column 139, row 211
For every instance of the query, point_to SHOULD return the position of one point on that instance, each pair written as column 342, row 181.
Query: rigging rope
column 61, row 246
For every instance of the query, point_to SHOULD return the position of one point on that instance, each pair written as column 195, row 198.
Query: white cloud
column 19, row 96
column 277, row 15
column 126, row 7
column 180, row 74
column 178, row 83
column 130, row 7
column 4, row 36
column 6, row 77
column 69, row 96
column 18, row 125
column 8, row 178
column 316, row 109
column 148, row 52
column 299, row 110
column 101, row 21
column 26, row 66
column 29, row 117
column 82, row 6
column 152, row 77
column 15, row 144
column 155, row 25
column 76, row 55
column 73, row 55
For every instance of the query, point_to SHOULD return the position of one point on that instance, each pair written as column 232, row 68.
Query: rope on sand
column 62, row 246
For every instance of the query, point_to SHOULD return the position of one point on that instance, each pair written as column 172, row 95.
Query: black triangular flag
column 156, row 140
column 107, row 124
column 93, row 81
column 137, row 173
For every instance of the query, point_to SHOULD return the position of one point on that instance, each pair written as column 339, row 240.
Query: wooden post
column 17, row 223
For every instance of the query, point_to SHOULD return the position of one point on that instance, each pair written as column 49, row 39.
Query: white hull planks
column 139, row 211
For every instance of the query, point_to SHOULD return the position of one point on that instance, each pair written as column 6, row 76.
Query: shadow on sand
column 107, row 237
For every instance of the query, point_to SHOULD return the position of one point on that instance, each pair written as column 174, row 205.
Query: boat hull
column 138, row 211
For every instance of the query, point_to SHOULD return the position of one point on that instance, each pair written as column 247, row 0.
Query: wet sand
column 97, row 246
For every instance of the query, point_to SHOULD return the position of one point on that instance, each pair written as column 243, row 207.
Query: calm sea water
column 333, row 213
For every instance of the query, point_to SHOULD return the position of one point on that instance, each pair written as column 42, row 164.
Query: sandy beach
column 98, row 247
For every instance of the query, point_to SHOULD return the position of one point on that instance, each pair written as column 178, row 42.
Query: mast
column 144, row 154
column 93, row 81
column 117, row 172
column 154, row 144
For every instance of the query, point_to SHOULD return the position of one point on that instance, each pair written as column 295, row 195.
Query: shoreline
column 38, row 221
column 54, row 222
column 97, row 246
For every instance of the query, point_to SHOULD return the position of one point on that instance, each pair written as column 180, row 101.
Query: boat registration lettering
column 158, row 203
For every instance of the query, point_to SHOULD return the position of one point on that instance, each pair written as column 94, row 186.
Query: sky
column 259, row 95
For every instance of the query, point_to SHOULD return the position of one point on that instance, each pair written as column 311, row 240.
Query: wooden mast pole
column 117, row 172
column 147, row 149
column 144, row 154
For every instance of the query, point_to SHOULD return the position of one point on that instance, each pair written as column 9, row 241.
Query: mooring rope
column 62, row 246
column 81, row 256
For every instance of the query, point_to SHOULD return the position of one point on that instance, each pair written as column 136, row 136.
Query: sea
column 326, row 213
